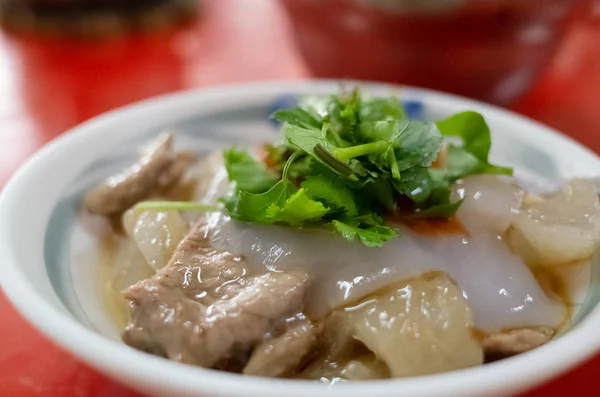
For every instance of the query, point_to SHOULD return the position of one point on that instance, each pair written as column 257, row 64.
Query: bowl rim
column 119, row 361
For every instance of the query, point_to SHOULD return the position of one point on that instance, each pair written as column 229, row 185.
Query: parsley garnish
column 344, row 166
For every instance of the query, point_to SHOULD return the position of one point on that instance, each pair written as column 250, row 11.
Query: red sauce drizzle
column 430, row 226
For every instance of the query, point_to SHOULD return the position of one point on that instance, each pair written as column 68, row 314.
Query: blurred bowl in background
column 491, row 50
column 94, row 18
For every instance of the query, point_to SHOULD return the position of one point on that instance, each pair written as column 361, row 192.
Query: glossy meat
column 283, row 354
column 512, row 342
column 202, row 309
column 156, row 168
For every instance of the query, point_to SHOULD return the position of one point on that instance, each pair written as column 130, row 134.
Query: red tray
column 47, row 87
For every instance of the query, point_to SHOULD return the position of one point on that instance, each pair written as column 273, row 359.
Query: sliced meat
column 157, row 168
column 202, row 309
column 512, row 342
column 284, row 354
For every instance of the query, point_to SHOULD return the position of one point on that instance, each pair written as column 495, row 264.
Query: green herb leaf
column 472, row 157
column 387, row 130
column 383, row 131
column 461, row 163
column 415, row 183
column 348, row 153
column 315, row 143
column 472, row 129
column 379, row 109
column 370, row 219
column 331, row 161
column 305, row 118
column 343, row 116
column 283, row 203
column 439, row 184
column 373, row 236
column 418, row 145
column 329, row 189
column 496, row 169
column 248, row 174
column 298, row 209
column 305, row 139
column 379, row 190
column 252, row 207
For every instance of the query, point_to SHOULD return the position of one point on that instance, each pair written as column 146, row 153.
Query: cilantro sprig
column 347, row 161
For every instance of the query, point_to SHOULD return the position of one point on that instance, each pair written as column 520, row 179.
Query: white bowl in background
column 40, row 238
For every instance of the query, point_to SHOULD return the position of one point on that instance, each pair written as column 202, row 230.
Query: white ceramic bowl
column 39, row 238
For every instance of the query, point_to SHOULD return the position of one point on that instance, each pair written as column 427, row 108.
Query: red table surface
column 48, row 87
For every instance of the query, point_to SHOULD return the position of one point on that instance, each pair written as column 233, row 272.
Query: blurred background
column 65, row 61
